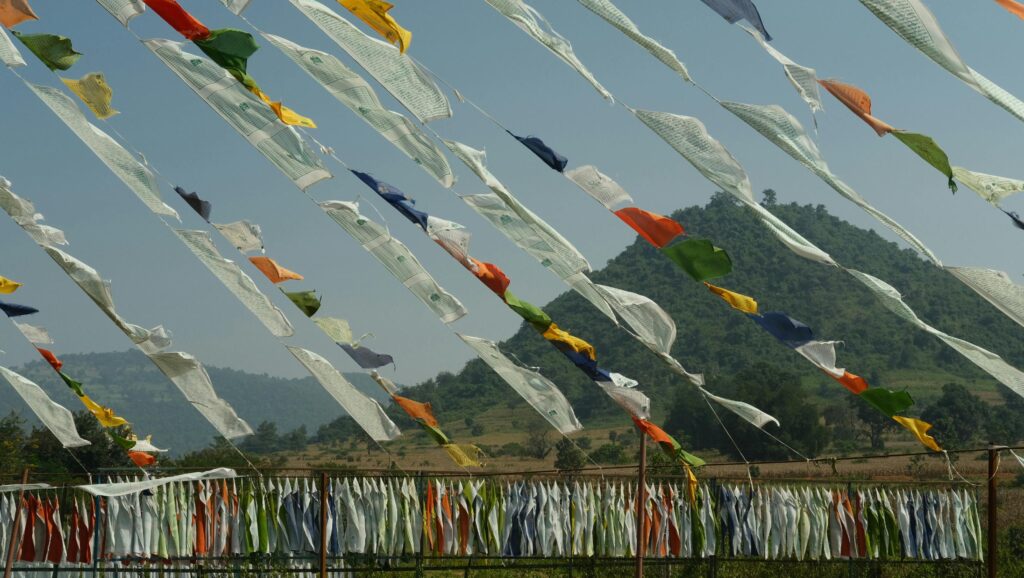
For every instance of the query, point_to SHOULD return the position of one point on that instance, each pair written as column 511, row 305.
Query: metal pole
column 641, row 499
column 323, row 524
column 993, row 518
column 9, row 567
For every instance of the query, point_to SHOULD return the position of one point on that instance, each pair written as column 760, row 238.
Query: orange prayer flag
column 857, row 101
column 920, row 430
column 417, row 410
column 1015, row 8
column 489, row 274
column 273, row 271
column 852, row 382
column 14, row 12
column 50, row 358
column 142, row 459
column 657, row 229
column 654, row 432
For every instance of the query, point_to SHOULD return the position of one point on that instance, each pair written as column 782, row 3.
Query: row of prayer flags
column 859, row 102
column 703, row 261
column 246, row 237
column 581, row 353
column 229, row 48
column 104, row 415
column 464, row 455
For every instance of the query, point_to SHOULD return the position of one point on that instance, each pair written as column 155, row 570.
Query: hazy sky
column 157, row 281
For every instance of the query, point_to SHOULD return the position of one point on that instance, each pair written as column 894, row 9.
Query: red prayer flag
column 179, row 19
column 50, row 358
column 659, row 230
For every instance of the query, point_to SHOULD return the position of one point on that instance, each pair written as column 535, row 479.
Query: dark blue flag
column 543, row 151
column 367, row 358
column 1015, row 218
column 198, row 205
column 396, row 198
column 735, row 10
column 13, row 310
column 784, row 328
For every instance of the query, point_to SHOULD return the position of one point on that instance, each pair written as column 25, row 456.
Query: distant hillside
column 128, row 382
column 712, row 339
column 718, row 341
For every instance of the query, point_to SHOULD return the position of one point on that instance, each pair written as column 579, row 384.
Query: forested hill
column 721, row 342
column 736, row 356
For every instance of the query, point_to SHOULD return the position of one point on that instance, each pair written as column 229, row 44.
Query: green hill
column 735, row 355
column 722, row 343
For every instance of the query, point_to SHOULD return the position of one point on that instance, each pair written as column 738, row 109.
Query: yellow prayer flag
column 459, row 455
column 555, row 334
column 287, row 115
column 14, row 12
column 105, row 415
column 691, row 485
column 7, row 286
column 375, row 14
column 920, row 430
column 94, row 92
column 736, row 300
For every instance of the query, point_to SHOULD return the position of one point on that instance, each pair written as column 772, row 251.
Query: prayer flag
column 179, row 19
column 700, row 259
column 273, row 271
column 14, row 12
column 543, row 152
column 7, row 286
column 54, row 51
column 375, row 14
column 94, row 92
column 735, row 300
column 657, row 229
column 201, row 207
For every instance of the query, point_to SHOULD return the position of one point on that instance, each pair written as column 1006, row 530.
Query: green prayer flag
column 887, row 401
column 698, row 257
column 528, row 311
column 74, row 385
column 125, row 443
column 437, row 434
column 307, row 301
column 55, row 51
column 929, row 150
column 231, row 49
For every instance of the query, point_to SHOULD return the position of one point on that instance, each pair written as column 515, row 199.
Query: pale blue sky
column 156, row 280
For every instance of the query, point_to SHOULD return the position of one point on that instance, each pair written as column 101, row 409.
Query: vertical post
column 421, row 492
column 641, row 499
column 9, row 566
column 323, row 524
column 993, row 518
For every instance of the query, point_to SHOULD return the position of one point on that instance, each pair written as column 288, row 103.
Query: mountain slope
column 719, row 341
column 712, row 338
column 129, row 383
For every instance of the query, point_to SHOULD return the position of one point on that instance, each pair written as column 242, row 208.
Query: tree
column 876, row 422
column 12, row 443
column 958, row 416
column 538, row 439
column 1006, row 422
column 568, row 457
column 770, row 389
column 769, row 199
